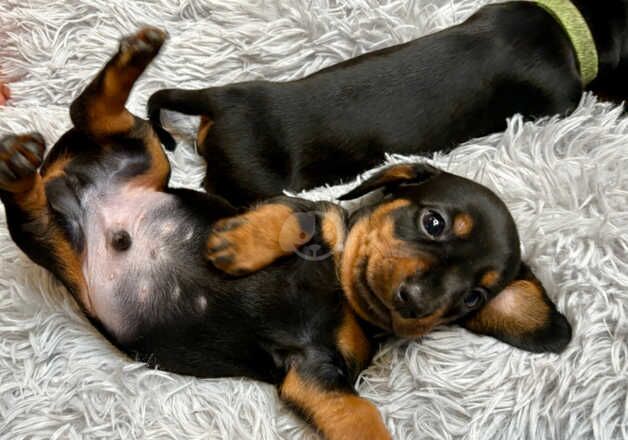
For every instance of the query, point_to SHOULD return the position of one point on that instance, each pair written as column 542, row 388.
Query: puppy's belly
column 133, row 237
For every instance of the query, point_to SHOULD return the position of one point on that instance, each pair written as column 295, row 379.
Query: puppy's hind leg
column 100, row 113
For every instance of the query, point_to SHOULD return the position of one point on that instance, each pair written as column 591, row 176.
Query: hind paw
column 140, row 48
column 20, row 157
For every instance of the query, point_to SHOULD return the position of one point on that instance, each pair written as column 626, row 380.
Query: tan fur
column 255, row 239
column 338, row 415
column 389, row 262
column 490, row 278
column 72, row 270
column 34, row 203
column 463, row 225
column 352, row 342
column 203, row 131
column 56, row 169
column 399, row 172
column 334, row 232
column 413, row 328
column 156, row 176
column 519, row 308
column 106, row 112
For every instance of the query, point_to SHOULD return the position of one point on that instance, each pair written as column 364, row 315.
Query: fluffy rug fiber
column 564, row 179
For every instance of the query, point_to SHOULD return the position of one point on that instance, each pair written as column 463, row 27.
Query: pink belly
column 130, row 235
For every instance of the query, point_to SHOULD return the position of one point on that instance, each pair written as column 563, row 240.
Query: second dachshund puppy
column 427, row 95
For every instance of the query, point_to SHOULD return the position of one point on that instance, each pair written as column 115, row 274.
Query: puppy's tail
column 188, row 102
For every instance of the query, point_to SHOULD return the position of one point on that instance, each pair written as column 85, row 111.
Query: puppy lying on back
column 153, row 267
column 261, row 137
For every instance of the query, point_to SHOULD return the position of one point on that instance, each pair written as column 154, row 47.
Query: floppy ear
column 522, row 315
column 395, row 175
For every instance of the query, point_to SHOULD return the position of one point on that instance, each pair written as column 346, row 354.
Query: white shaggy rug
column 564, row 179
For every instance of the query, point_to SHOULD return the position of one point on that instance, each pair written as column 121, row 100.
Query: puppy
column 154, row 267
column 428, row 95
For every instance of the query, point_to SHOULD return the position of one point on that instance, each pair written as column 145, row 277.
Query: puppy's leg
column 100, row 110
column 253, row 240
column 29, row 218
column 336, row 411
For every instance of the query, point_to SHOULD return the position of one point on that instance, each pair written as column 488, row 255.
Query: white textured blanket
column 565, row 181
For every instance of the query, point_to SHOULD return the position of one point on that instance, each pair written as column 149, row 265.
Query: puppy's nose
column 408, row 300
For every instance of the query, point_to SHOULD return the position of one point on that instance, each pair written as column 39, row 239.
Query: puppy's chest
column 135, row 240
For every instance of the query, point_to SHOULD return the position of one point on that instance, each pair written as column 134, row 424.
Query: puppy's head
column 438, row 249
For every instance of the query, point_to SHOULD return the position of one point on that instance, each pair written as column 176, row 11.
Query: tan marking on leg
column 107, row 114
column 203, row 130
column 338, row 415
column 156, row 177
column 251, row 241
column 72, row 271
column 56, row 169
column 34, row 203
column 104, row 101
column 351, row 340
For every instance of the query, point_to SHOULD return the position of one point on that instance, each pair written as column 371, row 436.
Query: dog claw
column 225, row 226
column 33, row 148
column 6, row 175
column 21, row 164
column 36, row 138
column 221, row 246
column 154, row 35
column 20, row 156
column 5, row 146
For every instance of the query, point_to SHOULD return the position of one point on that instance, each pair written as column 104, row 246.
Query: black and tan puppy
column 152, row 266
column 427, row 95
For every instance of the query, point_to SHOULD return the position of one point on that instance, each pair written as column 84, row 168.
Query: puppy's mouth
column 371, row 307
column 367, row 301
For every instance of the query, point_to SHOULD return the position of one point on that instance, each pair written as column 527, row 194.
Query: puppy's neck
column 608, row 22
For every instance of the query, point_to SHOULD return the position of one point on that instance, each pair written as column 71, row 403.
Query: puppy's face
column 437, row 249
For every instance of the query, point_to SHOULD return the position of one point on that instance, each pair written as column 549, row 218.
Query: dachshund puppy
column 260, row 137
column 160, row 270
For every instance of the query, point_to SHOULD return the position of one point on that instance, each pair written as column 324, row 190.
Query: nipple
column 121, row 240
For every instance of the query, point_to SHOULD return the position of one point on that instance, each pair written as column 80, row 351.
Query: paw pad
column 142, row 46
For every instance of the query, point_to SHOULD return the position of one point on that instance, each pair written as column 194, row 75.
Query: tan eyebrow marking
column 463, row 225
column 490, row 278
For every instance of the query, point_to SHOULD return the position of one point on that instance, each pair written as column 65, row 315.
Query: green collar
column 578, row 31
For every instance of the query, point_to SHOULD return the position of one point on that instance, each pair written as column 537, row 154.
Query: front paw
column 232, row 247
column 20, row 157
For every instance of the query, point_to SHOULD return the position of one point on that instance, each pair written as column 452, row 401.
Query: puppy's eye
column 433, row 223
column 474, row 298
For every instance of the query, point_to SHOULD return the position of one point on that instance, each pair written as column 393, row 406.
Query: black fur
column 416, row 98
